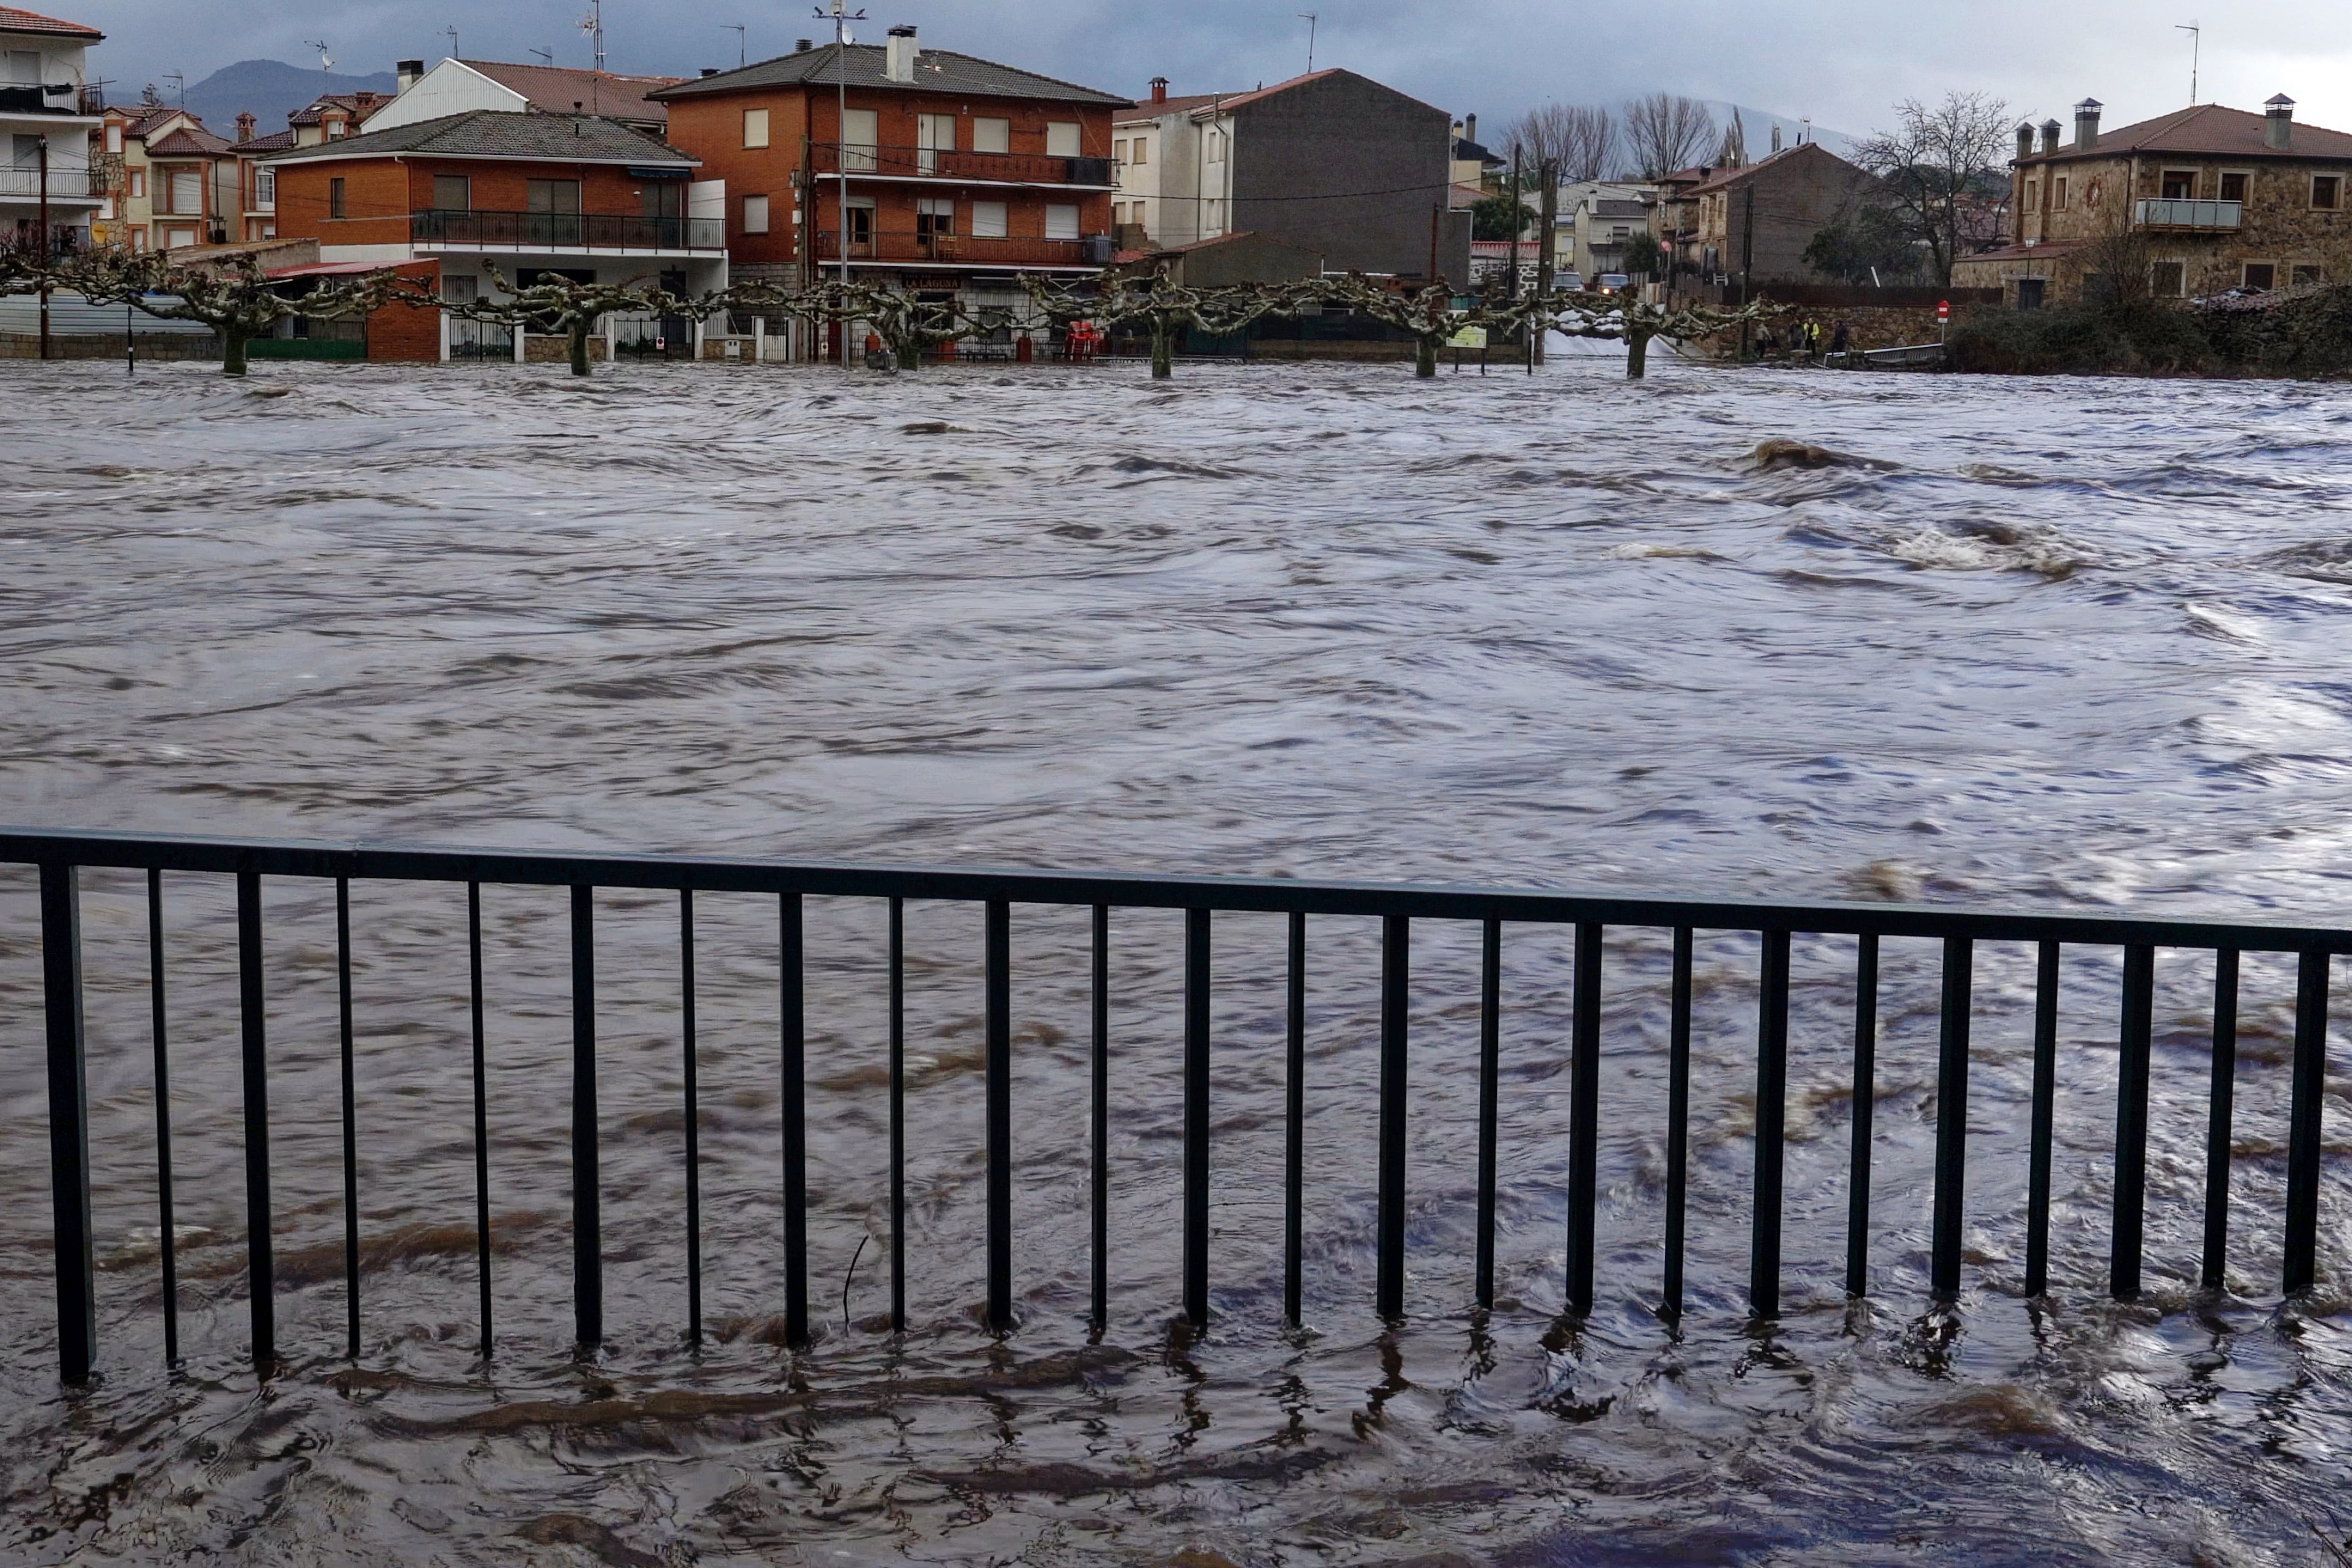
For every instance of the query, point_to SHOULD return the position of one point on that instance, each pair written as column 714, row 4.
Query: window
column 134, row 183
column 1061, row 138
column 114, row 138
column 335, row 196
column 1214, row 217
column 860, row 135
column 139, row 241
column 934, row 218
column 1061, row 221
column 992, row 136
column 755, row 215
column 106, row 207
column 1118, row 213
column 2092, row 192
column 2261, row 274
column 454, row 192
column 861, row 224
column 988, row 220
column 335, row 128
column 550, row 196
column 2326, row 191
column 663, row 199
column 174, row 238
column 2167, row 280
column 2033, row 193
column 1216, row 144
column 24, row 67
column 2058, row 194
column 461, row 288
column 2029, row 292
column 755, row 127
column 185, row 191
column 1119, row 150
column 2179, row 184
column 264, row 190
column 2233, row 187
column 1142, row 149
column 934, row 134
column 2306, row 274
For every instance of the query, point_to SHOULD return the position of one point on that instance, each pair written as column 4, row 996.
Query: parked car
column 1614, row 282
column 1568, row 279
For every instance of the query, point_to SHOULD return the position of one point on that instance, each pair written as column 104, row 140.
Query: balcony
column 23, row 183
column 446, row 229
column 962, row 250
column 2194, row 216
column 966, row 168
column 71, row 102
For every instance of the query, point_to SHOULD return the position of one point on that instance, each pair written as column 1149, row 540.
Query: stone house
column 2211, row 199
column 1758, row 218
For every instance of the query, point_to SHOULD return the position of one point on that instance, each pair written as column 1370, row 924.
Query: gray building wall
column 1345, row 136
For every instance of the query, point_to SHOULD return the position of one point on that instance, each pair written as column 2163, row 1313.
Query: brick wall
column 408, row 333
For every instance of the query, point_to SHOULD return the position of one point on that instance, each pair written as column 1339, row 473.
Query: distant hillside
column 271, row 90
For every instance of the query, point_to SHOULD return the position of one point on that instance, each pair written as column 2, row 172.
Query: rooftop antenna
column 1308, row 17
column 450, row 33
column 178, row 79
column 2195, row 43
column 326, row 65
column 742, row 46
column 842, row 16
column 547, row 54
column 593, row 24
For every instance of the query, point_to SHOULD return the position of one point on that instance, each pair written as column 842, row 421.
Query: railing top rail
column 364, row 861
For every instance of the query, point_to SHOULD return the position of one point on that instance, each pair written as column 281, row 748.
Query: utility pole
column 41, row 238
column 2195, row 43
column 1308, row 17
column 742, row 44
column 841, row 19
column 1747, row 260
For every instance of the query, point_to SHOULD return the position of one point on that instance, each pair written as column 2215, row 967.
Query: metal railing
column 828, row 158
column 2174, row 212
column 960, row 250
column 59, row 856
column 67, row 182
column 565, row 231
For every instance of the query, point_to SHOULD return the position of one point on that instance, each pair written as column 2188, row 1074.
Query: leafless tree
column 1555, row 144
column 1937, row 160
column 1592, row 144
column 234, row 298
column 1665, row 132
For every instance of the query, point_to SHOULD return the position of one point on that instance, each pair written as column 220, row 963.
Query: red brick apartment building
column 958, row 173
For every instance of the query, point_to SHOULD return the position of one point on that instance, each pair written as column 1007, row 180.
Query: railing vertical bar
column 1100, row 1128
column 898, row 1115
column 999, row 981
column 791, row 1008
column 1951, row 1116
column 351, row 1120
column 2045, row 1112
column 69, row 1123
column 1396, row 990
column 1771, row 1125
column 1294, row 1144
column 482, row 1118
column 1584, row 1118
column 167, row 1224
column 1866, row 1110
column 1196, row 1117
column 1679, row 1050
column 587, row 1180
column 2131, row 1122
column 2217, row 1117
column 252, row 1004
column 689, row 1045
column 1490, row 1069
column 2303, row 1152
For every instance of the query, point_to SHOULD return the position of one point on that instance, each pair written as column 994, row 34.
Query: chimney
column 2278, row 127
column 1775, row 136
column 245, row 125
column 1470, row 128
column 406, row 74
column 710, row 71
column 1159, row 89
column 2050, row 128
column 2086, row 124
column 803, row 46
column 899, row 55
column 2024, row 140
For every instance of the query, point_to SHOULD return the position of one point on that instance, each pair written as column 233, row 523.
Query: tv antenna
column 593, row 24
column 2196, row 44
column 178, row 79
column 326, row 66
column 1308, row 17
column 450, row 33
column 547, row 54
column 742, row 46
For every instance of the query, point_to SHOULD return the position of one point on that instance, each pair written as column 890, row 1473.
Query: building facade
column 2207, row 198
column 48, row 113
column 1758, row 219
column 1158, row 148
column 460, row 86
column 171, row 182
column 460, row 201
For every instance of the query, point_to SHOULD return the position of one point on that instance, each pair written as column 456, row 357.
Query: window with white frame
column 1061, row 138
column 755, row 127
column 991, row 135
column 988, row 220
column 114, row 138
column 264, row 190
column 1061, row 220
column 755, row 215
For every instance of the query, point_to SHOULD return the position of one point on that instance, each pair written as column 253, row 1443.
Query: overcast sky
column 1842, row 62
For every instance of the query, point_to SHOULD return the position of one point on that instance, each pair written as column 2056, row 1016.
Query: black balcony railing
column 565, row 231
column 950, row 163
column 961, row 249
column 60, row 857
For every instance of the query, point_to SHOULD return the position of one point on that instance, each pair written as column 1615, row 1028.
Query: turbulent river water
column 2059, row 644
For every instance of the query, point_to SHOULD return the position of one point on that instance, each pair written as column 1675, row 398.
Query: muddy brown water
column 2064, row 645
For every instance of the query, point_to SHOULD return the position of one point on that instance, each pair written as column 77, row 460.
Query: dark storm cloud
column 1840, row 61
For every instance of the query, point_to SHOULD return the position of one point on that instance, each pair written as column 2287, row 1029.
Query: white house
column 46, row 113
column 460, row 86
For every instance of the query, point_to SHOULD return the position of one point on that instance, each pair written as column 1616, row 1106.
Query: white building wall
column 452, row 87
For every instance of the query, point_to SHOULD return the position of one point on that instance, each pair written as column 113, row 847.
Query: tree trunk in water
column 580, row 348
column 1637, row 355
column 1424, row 357
column 910, row 355
column 1163, row 350
column 233, row 350
column 1547, row 239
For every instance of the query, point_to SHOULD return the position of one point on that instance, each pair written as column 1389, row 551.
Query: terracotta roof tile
column 556, row 89
column 187, row 141
column 936, row 70
column 12, row 20
column 499, row 133
column 2206, row 130
column 1183, row 105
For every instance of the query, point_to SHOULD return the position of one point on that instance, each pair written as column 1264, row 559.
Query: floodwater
column 2056, row 644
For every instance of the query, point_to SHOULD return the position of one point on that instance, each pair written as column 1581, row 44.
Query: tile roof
column 1266, row 92
column 1608, row 208
column 362, row 104
column 269, row 143
column 1725, row 176
column 12, row 20
column 936, row 70
column 1149, row 110
column 2208, row 128
column 189, row 140
column 499, row 133
column 556, row 89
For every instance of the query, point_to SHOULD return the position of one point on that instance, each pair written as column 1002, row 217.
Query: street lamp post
column 41, row 243
column 841, row 17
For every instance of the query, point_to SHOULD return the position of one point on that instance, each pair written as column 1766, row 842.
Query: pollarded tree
column 235, row 297
column 553, row 304
column 1636, row 322
column 1166, row 310
column 1427, row 313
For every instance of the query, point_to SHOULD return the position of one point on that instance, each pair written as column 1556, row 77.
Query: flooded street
column 2034, row 644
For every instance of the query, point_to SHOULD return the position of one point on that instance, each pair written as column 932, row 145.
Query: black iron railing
column 828, row 158
column 59, row 856
column 566, row 231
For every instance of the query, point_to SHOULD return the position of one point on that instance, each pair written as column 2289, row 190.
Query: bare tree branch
column 1935, row 161
column 1665, row 132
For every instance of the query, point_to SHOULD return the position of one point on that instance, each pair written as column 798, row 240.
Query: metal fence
column 59, row 857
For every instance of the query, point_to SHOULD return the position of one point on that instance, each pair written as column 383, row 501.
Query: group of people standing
column 1802, row 341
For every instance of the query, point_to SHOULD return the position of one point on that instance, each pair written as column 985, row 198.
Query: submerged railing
column 59, row 857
